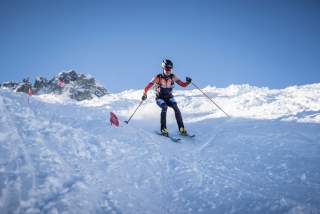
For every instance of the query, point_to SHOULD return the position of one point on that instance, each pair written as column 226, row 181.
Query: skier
column 164, row 97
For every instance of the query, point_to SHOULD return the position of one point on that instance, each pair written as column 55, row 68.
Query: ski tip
column 176, row 140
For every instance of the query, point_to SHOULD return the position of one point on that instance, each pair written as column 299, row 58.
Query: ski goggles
column 167, row 68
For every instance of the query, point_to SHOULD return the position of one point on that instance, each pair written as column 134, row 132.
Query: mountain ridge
column 76, row 86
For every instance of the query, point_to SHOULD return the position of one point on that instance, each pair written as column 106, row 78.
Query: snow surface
column 62, row 156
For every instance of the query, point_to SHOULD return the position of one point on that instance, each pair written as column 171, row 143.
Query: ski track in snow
column 57, row 157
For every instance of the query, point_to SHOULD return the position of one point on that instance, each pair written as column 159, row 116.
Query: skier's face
column 167, row 70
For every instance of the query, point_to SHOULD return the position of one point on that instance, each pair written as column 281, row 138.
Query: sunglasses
column 167, row 67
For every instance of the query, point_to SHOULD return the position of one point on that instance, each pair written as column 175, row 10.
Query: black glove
column 188, row 79
column 144, row 96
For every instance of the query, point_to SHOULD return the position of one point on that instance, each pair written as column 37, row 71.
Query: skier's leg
column 163, row 118
column 173, row 104
column 178, row 115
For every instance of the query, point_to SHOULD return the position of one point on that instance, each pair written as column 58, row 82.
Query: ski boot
column 165, row 132
column 183, row 131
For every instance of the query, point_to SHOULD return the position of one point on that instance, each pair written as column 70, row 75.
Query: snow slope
column 62, row 156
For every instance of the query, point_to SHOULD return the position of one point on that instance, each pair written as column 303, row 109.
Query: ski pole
column 210, row 99
column 127, row 121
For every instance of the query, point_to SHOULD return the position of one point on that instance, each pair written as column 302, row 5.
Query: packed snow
column 58, row 155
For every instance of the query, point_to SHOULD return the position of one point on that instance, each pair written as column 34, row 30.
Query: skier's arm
column 148, row 86
column 181, row 83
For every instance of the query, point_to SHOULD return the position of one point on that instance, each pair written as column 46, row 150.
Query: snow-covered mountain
column 70, row 83
column 59, row 155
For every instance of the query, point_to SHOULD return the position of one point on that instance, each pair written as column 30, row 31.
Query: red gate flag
column 30, row 92
column 113, row 119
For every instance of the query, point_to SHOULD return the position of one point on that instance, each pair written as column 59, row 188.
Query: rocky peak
column 76, row 86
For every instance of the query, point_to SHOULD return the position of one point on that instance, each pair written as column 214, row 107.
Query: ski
column 174, row 139
column 188, row 135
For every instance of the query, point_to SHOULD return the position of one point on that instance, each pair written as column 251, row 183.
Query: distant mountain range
column 76, row 86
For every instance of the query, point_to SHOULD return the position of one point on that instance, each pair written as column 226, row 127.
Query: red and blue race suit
column 164, row 97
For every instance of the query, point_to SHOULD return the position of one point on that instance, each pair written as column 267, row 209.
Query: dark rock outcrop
column 76, row 86
column 9, row 84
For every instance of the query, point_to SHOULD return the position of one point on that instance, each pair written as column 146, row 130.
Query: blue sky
column 263, row 43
